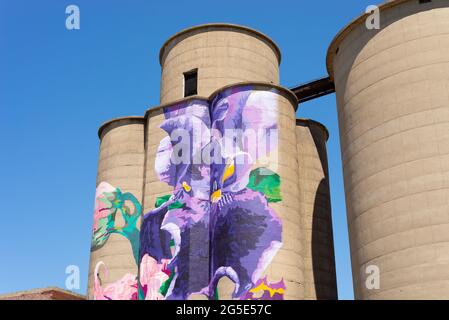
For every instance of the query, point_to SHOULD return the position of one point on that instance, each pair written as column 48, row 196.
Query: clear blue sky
column 57, row 87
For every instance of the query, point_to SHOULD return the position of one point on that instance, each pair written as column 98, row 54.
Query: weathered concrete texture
column 320, row 281
column 223, row 54
column 392, row 90
column 121, row 165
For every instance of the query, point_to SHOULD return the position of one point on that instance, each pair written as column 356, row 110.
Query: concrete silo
column 222, row 54
column 320, row 281
column 119, row 186
column 392, row 88
column 229, row 229
column 225, row 57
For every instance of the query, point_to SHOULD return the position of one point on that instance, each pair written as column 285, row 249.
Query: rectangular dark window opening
column 191, row 83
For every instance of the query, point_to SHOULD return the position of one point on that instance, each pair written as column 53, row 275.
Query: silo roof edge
column 218, row 26
column 336, row 41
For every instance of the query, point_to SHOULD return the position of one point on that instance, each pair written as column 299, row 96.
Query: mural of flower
column 246, row 232
column 152, row 277
column 103, row 211
column 218, row 214
column 266, row 291
column 123, row 289
column 217, row 222
column 108, row 201
column 183, row 217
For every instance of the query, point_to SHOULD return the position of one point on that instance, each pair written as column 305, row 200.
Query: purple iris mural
column 218, row 221
column 178, row 229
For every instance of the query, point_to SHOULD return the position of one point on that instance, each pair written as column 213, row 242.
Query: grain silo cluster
column 220, row 192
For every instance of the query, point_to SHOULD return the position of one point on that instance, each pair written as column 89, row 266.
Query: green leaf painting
column 109, row 201
column 266, row 182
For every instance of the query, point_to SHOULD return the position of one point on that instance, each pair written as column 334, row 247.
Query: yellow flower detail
column 228, row 172
column 186, row 186
column 264, row 287
column 216, row 196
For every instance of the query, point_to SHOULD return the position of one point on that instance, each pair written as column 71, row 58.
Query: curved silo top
column 205, row 58
column 343, row 33
column 188, row 32
column 309, row 123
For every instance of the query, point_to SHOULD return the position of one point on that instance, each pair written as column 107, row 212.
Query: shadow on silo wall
column 323, row 258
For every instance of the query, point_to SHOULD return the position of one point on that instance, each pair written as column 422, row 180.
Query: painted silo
column 219, row 182
column 286, row 268
column 221, row 54
column 320, row 281
column 175, row 230
column 392, row 88
column 224, row 57
column 231, row 226
column 115, row 238
column 273, row 186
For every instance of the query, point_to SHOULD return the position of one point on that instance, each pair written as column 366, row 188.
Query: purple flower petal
column 243, row 231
